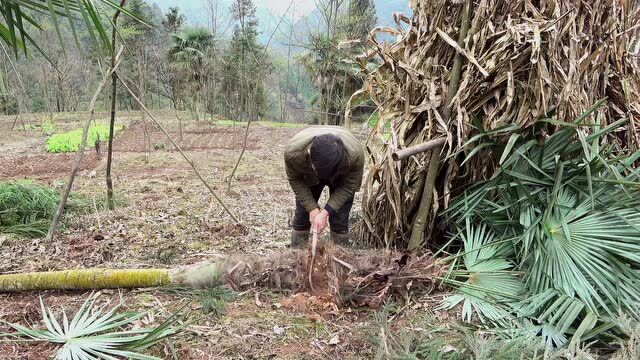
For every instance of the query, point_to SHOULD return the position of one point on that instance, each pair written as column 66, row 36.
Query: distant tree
column 361, row 19
column 329, row 62
column 244, row 62
column 173, row 20
column 189, row 55
column 169, row 82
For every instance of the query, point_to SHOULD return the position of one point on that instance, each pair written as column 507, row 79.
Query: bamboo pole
column 422, row 216
column 83, row 143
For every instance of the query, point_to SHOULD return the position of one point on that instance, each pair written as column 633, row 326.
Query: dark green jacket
column 301, row 175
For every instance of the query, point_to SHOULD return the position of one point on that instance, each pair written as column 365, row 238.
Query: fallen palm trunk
column 362, row 278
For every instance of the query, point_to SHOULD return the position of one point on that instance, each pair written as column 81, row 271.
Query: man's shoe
column 299, row 238
column 340, row 239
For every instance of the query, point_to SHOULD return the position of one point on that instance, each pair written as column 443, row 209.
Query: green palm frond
column 97, row 333
column 568, row 211
column 17, row 25
column 490, row 285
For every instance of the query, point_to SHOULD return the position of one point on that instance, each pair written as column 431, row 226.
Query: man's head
column 326, row 154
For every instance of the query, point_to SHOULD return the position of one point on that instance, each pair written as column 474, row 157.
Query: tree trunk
column 142, row 87
column 337, row 274
column 426, row 203
column 84, row 280
column 244, row 147
column 112, row 121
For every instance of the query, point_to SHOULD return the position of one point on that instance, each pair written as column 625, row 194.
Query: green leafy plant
column 20, row 21
column 97, row 333
column 70, row 141
column 552, row 237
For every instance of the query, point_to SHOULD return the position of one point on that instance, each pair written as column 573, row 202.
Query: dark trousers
column 339, row 222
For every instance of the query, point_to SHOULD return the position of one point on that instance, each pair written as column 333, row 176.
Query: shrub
column 27, row 208
column 70, row 141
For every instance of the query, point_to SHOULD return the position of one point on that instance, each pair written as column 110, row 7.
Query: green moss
column 85, row 279
column 70, row 141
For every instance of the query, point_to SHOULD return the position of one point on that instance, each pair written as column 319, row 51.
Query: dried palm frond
column 522, row 61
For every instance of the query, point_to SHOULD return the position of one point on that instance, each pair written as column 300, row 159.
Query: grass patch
column 27, row 208
column 273, row 124
column 213, row 301
column 225, row 122
column 70, row 141
column 280, row 124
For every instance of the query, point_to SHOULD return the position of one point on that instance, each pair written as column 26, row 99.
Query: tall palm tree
column 188, row 54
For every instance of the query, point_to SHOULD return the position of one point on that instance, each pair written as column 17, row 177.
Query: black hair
column 326, row 154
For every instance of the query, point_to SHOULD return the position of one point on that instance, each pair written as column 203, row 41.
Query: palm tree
column 189, row 57
column 334, row 78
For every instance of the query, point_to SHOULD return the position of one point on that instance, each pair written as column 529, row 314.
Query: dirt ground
column 165, row 217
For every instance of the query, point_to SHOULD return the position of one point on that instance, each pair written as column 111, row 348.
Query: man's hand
column 319, row 222
column 313, row 214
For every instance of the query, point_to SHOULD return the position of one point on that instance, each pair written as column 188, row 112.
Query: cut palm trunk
column 363, row 278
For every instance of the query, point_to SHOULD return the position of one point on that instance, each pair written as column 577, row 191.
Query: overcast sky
column 302, row 7
column 277, row 7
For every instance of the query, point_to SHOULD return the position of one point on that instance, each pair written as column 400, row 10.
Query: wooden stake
column 114, row 84
column 417, row 149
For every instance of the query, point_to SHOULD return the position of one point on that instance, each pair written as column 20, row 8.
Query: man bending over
column 318, row 157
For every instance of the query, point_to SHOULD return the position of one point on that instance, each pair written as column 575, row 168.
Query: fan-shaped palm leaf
column 95, row 333
column 570, row 211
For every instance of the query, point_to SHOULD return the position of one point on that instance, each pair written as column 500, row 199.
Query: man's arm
column 300, row 189
column 346, row 190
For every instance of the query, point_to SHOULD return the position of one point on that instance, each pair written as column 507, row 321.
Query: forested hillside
column 205, row 57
